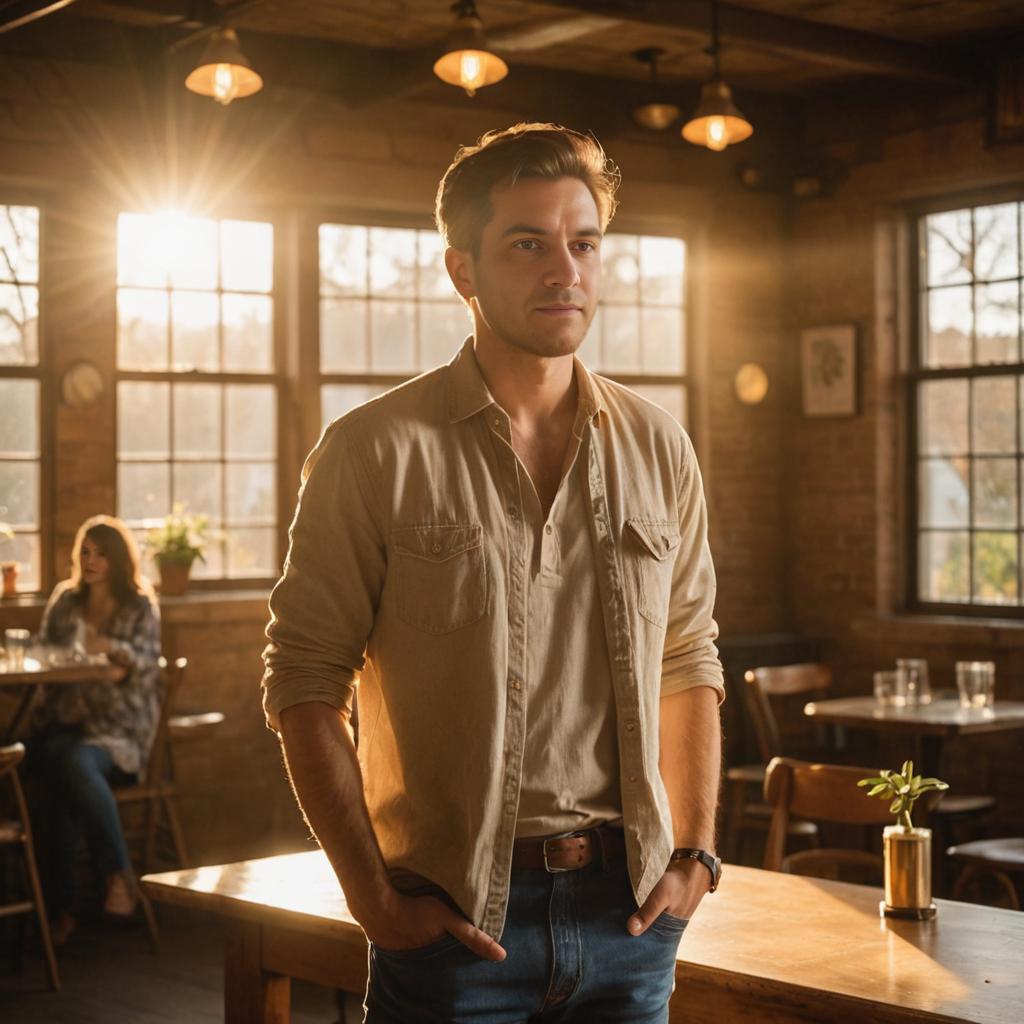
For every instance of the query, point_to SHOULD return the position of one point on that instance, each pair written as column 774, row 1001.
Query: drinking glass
column 976, row 683
column 891, row 688
column 16, row 641
column 919, row 690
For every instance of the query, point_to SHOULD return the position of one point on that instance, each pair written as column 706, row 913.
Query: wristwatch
column 709, row 860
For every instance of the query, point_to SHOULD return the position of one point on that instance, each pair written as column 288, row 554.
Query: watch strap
column 709, row 860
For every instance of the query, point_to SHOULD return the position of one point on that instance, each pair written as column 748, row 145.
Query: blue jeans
column 570, row 959
column 78, row 798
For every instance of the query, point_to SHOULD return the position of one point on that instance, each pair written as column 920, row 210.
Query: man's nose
column 561, row 270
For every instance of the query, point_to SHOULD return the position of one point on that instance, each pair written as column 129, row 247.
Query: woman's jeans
column 570, row 959
column 77, row 794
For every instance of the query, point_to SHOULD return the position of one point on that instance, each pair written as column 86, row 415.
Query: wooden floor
column 109, row 975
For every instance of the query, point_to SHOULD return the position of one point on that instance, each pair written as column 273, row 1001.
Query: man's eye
column 527, row 243
column 586, row 246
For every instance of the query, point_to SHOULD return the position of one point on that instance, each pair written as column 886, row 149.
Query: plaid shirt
column 118, row 716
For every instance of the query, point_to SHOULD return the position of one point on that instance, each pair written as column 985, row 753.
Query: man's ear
column 460, row 269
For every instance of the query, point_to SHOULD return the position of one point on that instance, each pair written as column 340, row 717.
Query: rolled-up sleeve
column 691, row 657
column 322, row 609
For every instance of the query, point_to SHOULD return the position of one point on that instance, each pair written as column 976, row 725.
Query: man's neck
column 539, row 394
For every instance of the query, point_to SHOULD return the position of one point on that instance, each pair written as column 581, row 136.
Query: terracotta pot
column 908, row 873
column 10, row 574
column 173, row 577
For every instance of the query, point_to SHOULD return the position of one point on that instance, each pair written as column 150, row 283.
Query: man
column 509, row 555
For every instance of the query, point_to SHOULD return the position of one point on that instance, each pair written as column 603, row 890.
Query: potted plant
column 175, row 544
column 908, row 850
column 9, row 568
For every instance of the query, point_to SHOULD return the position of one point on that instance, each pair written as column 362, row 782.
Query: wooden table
column 766, row 948
column 36, row 675
column 932, row 724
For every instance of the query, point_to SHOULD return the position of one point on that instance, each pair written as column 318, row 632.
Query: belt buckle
column 558, row 871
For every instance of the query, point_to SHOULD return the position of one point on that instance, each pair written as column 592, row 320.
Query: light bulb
column 225, row 83
column 472, row 67
column 718, row 138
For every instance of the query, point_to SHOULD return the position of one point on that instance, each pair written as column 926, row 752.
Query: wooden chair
column 742, row 812
column 826, row 793
column 999, row 858
column 17, row 832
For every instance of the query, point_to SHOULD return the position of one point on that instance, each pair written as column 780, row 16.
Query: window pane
column 197, row 485
column 247, row 256
column 252, row 492
column 212, row 567
column 622, row 339
column 443, row 328
column 143, row 419
column 392, row 262
column 191, row 247
column 25, row 550
column 944, row 497
column 949, row 247
column 663, row 341
column 434, row 280
column 251, row 553
column 392, row 337
column 942, row 417
column 141, row 251
column 19, row 322
column 993, row 415
column 19, row 417
column 996, row 322
column 590, row 351
column 995, row 568
column 143, row 491
column 248, row 333
column 671, row 398
column 344, row 345
column 662, row 265
column 19, row 495
column 197, row 420
column 142, row 334
column 995, row 492
column 194, row 344
column 338, row 399
column 251, row 421
column 943, row 565
column 995, row 239
column 19, row 244
column 343, row 259
column 620, row 265
column 949, row 327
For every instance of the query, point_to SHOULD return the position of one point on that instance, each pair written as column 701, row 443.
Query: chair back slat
column 779, row 681
column 173, row 675
column 10, row 757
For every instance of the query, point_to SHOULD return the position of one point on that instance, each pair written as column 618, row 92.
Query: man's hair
column 501, row 158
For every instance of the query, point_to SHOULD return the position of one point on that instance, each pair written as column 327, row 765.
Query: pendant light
column 716, row 123
column 467, row 61
column 659, row 111
column 224, row 72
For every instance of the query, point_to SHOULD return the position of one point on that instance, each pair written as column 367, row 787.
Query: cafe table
column 931, row 724
column 36, row 674
column 767, row 947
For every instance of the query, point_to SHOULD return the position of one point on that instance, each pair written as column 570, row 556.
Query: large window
column 197, row 394
column 388, row 311
column 967, row 393
column 20, row 444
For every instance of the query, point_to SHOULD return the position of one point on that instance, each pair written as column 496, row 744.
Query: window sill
column 939, row 629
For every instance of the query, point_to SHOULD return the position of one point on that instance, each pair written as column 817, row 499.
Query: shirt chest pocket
column 441, row 576
column 652, row 548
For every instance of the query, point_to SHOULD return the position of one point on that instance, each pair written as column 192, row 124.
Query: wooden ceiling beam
column 15, row 13
column 848, row 49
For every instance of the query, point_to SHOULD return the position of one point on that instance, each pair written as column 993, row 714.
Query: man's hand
column 680, row 891
column 408, row 922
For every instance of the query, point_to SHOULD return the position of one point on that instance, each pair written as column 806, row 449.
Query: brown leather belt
column 569, row 853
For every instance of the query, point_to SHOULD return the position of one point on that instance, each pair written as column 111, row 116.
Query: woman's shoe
column 122, row 897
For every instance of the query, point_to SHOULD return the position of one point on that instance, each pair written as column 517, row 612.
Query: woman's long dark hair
column 118, row 546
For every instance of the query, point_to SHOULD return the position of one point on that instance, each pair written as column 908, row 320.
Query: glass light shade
column 467, row 60
column 656, row 115
column 751, row 383
column 224, row 72
column 716, row 123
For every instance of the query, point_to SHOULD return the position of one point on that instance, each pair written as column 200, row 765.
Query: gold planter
column 908, row 873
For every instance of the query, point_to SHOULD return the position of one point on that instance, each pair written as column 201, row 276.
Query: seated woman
column 98, row 735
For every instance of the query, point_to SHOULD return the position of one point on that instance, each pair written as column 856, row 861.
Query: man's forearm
column 690, row 761
column 324, row 770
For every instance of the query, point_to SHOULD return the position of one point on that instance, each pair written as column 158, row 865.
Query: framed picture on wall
column 828, row 363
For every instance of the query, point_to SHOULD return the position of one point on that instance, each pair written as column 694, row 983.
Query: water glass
column 976, row 683
column 891, row 688
column 919, row 690
column 16, row 642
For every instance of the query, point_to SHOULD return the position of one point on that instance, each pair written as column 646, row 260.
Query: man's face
column 536, row 279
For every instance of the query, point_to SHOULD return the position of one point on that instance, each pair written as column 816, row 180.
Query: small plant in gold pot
column 908, row 849
column 8, row 568
column 175, row 544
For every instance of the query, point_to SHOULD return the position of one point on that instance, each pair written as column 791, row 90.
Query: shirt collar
column 468, row 393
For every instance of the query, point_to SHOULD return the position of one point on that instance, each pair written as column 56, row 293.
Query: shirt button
column 630, row 726
column 547, row 529
column 510, row 808
column 516, row 685
column 513, row 511
column 632, row 778
column 436, row 548
column 497, row 421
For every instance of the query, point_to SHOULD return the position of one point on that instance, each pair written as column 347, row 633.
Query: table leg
column 931, row 757
column 14, row 728
column 251, row 994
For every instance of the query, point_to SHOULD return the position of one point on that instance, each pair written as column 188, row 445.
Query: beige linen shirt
column 407, row 574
